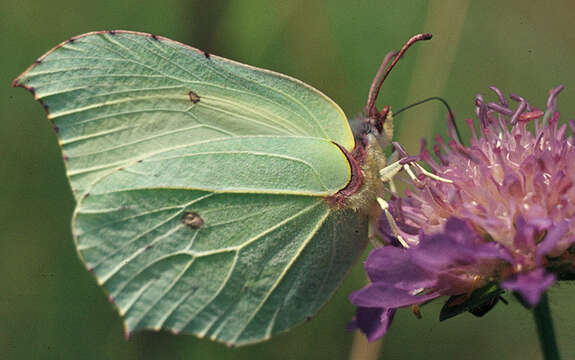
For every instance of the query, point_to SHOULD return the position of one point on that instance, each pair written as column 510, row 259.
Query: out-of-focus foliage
column 51, row 308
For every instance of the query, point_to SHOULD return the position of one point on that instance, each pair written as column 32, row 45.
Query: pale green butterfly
column 213, row 198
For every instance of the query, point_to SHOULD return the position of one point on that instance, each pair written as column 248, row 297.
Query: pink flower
column 499, row 211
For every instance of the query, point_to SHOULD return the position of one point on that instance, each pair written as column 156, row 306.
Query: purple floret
column 531, row 285
column 499, row 212
column 449, row 263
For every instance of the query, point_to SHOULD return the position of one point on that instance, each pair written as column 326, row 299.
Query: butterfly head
column 376, row 126
column 373, row 132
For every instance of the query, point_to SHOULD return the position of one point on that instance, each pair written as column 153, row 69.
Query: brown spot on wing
column 194, row 98
column 192, row 220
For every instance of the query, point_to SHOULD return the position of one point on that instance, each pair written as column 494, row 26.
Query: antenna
column 370, row 109
column 452, row 127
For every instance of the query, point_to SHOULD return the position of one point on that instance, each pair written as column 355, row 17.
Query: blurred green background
column 51, row 308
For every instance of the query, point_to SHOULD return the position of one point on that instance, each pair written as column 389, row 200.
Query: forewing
column 255, row 265
column 115, row 97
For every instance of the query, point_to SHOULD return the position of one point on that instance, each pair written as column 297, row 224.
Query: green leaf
column 201, row 184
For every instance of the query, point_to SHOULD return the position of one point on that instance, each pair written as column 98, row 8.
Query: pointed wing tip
column 20, row 81
column 17, row 83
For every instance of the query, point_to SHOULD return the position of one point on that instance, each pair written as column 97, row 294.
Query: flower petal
column 439, row 251
column 392, row 266
column 551, row 239
column 383, row 296
column 493, row 251
column 530, row 285
column 524, row 234
column 373, row 322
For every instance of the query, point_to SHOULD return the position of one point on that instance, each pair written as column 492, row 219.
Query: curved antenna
column 370, row 109
column 453, row 129
column 386, row 60
column 452, row 126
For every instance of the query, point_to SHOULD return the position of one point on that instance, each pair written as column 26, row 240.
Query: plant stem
column 545, row 331
column 361, row 349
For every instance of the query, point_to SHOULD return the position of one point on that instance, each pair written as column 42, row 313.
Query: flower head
column 499, row 211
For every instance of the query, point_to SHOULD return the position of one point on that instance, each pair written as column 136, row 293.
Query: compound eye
column 376, row 125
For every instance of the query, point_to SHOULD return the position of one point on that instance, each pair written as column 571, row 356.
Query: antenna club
column 425, row 36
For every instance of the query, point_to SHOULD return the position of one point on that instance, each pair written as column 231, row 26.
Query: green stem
column 545, row 331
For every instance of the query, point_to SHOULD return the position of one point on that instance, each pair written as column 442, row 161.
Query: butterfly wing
column 257, row 265
column 116, row 97
column 200, row 183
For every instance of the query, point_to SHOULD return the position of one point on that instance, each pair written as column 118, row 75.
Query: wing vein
column 164, row 293
column 282, row 275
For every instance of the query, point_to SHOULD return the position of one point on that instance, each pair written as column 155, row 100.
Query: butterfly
column 213, row 198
